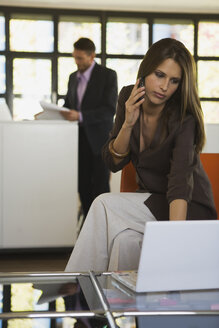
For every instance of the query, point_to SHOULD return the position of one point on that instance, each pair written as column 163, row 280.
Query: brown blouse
column 169, row 169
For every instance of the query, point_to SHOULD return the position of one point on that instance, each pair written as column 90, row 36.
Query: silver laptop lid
column 179, row 255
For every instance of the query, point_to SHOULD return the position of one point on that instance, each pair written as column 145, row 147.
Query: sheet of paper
column 51, row 111
column 50, row 292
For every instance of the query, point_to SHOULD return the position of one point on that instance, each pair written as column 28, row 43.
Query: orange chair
column 210, row 163
column 128, row 179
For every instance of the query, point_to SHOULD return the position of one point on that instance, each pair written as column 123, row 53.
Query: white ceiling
column 193, row 6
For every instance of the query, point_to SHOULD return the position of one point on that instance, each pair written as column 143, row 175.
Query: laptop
column 179, row 321
column 176, row 255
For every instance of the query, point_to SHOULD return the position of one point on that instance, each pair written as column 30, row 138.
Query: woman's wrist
column 178, row 210
column 114, row 153
column 127, row 126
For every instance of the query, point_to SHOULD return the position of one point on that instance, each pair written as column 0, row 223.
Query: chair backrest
column 128, row 179
column 210, row 163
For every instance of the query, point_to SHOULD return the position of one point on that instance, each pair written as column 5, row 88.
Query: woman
column 159, row 127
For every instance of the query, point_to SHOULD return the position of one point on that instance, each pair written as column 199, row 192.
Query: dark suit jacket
column 98, row 104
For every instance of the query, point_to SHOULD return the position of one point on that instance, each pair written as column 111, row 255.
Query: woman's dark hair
column 186, row 94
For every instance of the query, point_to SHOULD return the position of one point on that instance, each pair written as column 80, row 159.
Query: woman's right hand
column 133, row 104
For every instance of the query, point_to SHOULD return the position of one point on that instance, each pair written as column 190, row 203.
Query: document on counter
column 50, row 111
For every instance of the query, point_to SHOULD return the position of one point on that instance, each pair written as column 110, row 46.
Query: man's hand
column 36, row 115
column 71, row 115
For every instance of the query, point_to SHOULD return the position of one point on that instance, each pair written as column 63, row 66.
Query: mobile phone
column 141, row 84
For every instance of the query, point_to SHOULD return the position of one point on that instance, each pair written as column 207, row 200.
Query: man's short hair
column 85, row 44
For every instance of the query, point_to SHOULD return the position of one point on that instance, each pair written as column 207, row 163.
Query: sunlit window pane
column 32, row 76
column 2, row 74
column 208, row 39
column 129, row 37
column 32, row 81
column 70, row 29
column 180, row 30
column 2, row 101
column 126, row 69
column 208, row 72
column 211, row 111
column 31, row 34
column 2, row 32
column 65, row 67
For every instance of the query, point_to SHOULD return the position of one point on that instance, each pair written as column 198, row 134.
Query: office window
column 31, row 33
column 208, row 39
column 31, row 83
column 126, row 70
column 126, row 36
column 71, row 28
column 208, row 78
column 208, row 72
column 66, row 65
column 36, row 52
column 211, row 111
column 177, row 29
column 2, row 32
column 2, row 75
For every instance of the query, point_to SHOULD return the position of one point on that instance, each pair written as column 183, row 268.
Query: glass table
column 64, row 300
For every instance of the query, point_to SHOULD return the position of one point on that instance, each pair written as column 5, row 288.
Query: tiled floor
column 34, row 261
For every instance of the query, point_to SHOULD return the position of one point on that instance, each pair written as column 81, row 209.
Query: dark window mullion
column 209, row 99
column 54, row 57
column 9, row 73
column 103, row 38
column 195, row 55
column 150, row 31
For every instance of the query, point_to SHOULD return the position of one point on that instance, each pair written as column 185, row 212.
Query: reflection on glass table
column 46, row 300
column 120, row 297
column 186, row 309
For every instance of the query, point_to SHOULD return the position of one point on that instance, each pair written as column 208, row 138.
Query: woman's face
column 161, row 84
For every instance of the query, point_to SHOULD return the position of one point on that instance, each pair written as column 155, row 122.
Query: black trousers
column 93, row 178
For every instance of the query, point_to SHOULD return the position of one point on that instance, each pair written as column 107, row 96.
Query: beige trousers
column 112, row 234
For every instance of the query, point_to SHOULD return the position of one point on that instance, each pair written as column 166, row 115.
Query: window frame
column 103, row 17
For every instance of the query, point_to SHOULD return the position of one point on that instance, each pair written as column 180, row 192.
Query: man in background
column 91, row 98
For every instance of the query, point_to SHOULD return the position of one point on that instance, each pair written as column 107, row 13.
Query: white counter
column 38, row 181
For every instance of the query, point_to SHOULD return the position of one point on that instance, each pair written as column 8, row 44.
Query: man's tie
column 82, row 83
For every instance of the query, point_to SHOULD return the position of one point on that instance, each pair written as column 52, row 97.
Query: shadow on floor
column 34, row 260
